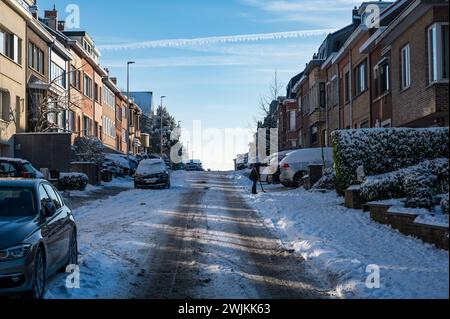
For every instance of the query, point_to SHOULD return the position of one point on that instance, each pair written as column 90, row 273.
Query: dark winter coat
column 254, row 176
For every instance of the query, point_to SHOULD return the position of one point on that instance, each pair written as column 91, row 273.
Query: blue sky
column 215, row 80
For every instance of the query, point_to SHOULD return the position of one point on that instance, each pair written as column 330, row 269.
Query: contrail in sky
column 174, row 43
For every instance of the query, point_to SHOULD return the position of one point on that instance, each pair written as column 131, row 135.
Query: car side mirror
column 49, row 208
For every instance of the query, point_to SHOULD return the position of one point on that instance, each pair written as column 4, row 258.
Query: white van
column 295, row 165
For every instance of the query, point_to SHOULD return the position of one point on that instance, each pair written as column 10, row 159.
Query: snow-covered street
column 198, row 240
column 208, row 238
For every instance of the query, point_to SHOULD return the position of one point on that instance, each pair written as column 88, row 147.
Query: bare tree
column 46, row 109
column 275, row 89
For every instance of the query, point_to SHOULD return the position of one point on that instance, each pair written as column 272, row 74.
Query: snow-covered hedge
column 73, row 182
column 419, row 184
column 381, row 151
column 328, row 180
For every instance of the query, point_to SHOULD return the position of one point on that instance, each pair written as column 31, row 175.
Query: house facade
column 416, row 43
column 394, row 74
column 13, row 30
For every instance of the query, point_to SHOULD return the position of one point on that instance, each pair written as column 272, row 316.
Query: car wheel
column 298, row 179
column 168, row 185
column 38, row 286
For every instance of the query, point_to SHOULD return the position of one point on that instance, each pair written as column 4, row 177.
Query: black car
column 38, row 236
column 18, row 168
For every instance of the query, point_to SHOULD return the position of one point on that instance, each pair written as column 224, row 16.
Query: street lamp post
column 161, row 115
column 129, row 113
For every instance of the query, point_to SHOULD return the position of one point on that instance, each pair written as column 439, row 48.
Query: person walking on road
column 254, row 177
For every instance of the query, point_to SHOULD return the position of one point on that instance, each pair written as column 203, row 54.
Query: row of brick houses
column 394, row 75
column 51, row 75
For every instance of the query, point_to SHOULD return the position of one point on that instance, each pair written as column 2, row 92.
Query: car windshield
column 150, row 167
column 17, row 202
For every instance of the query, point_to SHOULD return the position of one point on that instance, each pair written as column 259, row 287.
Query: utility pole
column 161, row 115
column 129, row 113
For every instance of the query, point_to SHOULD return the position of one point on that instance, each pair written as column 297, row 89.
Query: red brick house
column 411, row 57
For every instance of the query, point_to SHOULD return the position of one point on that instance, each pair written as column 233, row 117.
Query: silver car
column 295, row 165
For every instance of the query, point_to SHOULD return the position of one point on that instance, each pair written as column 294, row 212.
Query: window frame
column 87, row 86
column 405, row 67
column 361, row 78
column 436, row 56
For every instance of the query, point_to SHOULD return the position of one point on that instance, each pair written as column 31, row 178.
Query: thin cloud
column 175, row 43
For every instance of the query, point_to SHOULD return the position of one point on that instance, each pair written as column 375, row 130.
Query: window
column 2, row 42
column 382, row 77
column 75, row 77
column 71, row 122
column 4, row 106
column 109, row 127
column 361, row 78
column 35, row 58
column 57, row 75
column 11, row 46
column 438, row 52
column 43, row 196
column 87, row 88
column 96, row 93
column 364, row 124
column 53, row 196
column 124, row 112
column 333, row 92
column 314, row 134
column 322, row 95
column 87, row 122
column 109, row 97
column 347, row 87
column 7, row 170
column 118, row 115
column 405, row 64
column 292, row 120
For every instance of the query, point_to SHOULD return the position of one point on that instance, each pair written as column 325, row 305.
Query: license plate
column 151, row 180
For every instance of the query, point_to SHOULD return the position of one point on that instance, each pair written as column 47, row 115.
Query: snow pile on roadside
column 344, row 242
column 113, row 235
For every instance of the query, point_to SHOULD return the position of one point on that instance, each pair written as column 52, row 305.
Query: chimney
column 51, row 18
column 356, row 17
column 34, row 9
column 61, row 26
column 114, row 80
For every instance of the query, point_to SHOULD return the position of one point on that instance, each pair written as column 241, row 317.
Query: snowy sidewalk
column 342, row 242
column 113, row 241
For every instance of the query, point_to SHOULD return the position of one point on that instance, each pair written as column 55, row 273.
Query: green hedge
column 381, row 151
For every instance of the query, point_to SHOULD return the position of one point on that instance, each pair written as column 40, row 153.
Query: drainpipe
column 351, row 87
column 369, row 83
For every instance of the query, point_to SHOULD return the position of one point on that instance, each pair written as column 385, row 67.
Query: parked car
column 18, row 168
column 295, row 165
column 271, row 171
column 152, row 173
column 194, row 166
column 38, row 236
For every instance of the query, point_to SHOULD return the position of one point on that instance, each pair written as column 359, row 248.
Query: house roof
column 291, row 85
column 388, row 18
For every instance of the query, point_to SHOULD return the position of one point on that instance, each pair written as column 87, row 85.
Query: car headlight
column 15, row 252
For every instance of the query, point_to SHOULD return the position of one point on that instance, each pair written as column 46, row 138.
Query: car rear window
column 7, row 169
column 17, row 202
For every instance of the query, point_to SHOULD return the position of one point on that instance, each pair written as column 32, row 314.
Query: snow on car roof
column 16, row 160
